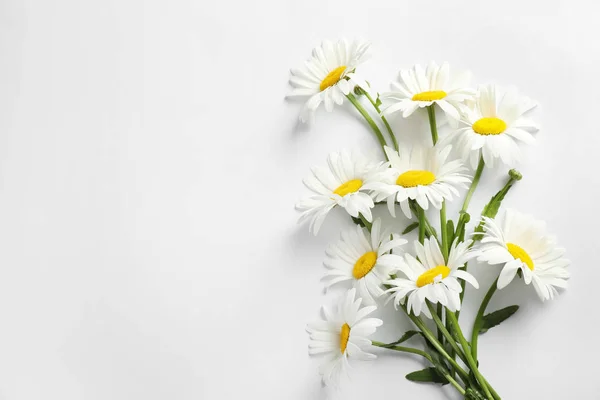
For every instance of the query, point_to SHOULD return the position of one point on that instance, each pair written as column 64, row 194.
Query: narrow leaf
column 407, row 335
column 427, row 375
column 450, row 231
column 495, row 318
column 410, row 228
column 491, row 209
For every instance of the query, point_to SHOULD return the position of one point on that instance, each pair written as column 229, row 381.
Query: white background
column 150, row 165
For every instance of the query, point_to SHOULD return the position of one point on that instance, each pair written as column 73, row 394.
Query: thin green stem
column 460, row 227
column 385, row 122
column 427, row 357
column 445, row 244
column 403, row 349
column 367, row 224
column 439, row 313
column 421, row 224
column 428, row 228
column 369, row 120
column 449, row 338
column 479, row 318
column 432, row 123
column 474, row 184
column 435, row 343
column 470, row 360
column 453, row 382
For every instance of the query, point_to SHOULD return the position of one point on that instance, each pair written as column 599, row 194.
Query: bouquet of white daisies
column 426, row 279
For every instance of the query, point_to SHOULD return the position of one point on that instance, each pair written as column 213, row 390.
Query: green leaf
column 491, row 208
column 407, row 335
column 378, row 102
column 358, row 221
column 497, row 317
column 450, row 231
column 427, row 375
column 410, row 228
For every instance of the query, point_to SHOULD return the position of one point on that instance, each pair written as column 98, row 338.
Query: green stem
column 460, row 227
column 367, row 224
column 432, row 123
column 421, row 224
column 369, row 120
column 403, row 349
column 449, row 338
column 452, row 381
column 474, row 184
column 385, row 122
column 445, row 244
column 439, row 313
column 470, row 360
column 435, row 343
column 428, row 228
column 427, row 357
column 479, row 318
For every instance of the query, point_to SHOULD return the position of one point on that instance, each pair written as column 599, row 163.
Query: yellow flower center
column 348, row 187
column 344, row 336
column 414, row 178
column 489, row 126
column 332, row 78
column 518, row 253
column 430, row 96
column 364, row 265
column 428, row 276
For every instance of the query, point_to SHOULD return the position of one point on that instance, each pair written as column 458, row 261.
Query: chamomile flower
column 495, row 127
column 423, row 174
column 430, row 278
column 339, row 184
column 341, row 336
column 329, row 75
column 418, row 87
column 520, row 243
column 363, row 260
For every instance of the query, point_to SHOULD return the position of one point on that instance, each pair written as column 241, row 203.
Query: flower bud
column 358, row 90
column 514, row 174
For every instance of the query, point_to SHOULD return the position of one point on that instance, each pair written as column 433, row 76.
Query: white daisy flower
column 521, row 243
column 329, row 75
column 364, row 260
column 339, row 184
column 430, row 278
column 418, row 88
column 342, row 335
column 495, row 126
column 423, row 174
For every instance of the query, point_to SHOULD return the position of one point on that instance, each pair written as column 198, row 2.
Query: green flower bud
column 514, row 174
